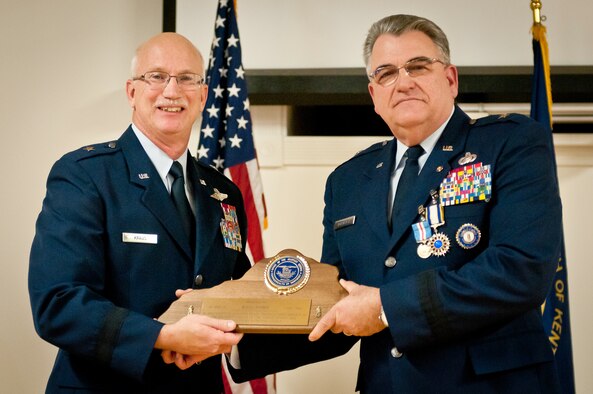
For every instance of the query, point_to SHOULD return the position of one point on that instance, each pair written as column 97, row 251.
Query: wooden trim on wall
column 477, row 84
column 169, row 15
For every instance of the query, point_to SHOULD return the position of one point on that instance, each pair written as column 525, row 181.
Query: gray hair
column 399, row 24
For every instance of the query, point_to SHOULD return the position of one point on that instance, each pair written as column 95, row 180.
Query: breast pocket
column 467, row 228
column 471, row 209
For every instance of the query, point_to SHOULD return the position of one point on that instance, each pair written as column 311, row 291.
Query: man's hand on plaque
column 195, row 338
column 356, row 314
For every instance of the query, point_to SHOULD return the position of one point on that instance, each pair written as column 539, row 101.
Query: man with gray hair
column 447, row 236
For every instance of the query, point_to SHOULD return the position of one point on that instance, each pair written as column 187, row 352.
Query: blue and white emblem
column 287, row 274
column 468, row 236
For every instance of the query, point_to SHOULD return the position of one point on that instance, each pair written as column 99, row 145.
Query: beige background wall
column 64, row 65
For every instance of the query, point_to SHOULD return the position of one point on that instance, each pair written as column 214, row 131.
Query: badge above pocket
column 345, row 222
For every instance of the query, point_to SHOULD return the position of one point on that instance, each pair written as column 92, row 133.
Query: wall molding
column 571, row 149
column 477, row 84
column 277, row 149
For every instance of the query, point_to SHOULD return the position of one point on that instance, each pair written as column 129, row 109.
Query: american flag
column 226, row 142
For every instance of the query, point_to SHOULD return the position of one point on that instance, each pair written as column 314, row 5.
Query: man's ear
column 372, row 93
column 452, row 75
column 131, row 92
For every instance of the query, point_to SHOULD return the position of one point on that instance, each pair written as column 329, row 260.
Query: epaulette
column 372, row 148
column 500, row 118
column 366, row 151
column 93, row 150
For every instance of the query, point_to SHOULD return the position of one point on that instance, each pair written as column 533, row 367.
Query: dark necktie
column 406, row 180
column 180, row 200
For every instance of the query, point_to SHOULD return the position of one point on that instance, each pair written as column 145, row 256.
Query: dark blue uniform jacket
column 468, row 321
column 95, row 295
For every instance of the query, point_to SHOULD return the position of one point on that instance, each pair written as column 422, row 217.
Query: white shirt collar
column 428, row 145
column 161, row 161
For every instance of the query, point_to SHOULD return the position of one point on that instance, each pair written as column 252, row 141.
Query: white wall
column 64, row 64
column 329, row 33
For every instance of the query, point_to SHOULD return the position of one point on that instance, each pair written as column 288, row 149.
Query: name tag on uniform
column 349, row 221
column 140, row 238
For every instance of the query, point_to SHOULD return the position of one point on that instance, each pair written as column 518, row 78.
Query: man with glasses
column 447, row 236
column 126, row 223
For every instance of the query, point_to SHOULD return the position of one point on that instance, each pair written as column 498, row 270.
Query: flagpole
column 536, row 7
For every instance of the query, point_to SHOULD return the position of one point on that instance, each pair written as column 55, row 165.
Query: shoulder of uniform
column 207, row 167
column 212, row 172
column 94, row 150
column 498, row 119
column 366, row 152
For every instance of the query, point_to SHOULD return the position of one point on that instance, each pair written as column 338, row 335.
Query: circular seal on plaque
column 468, row 236
column 424, row 251
column 287, row 274
column 439, row 244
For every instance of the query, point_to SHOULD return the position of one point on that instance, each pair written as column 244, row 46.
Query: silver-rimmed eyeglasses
column 160, row 79
column 387, row 75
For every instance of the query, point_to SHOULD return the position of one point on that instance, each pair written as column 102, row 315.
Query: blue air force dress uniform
column 464, row 270
column 110, row 251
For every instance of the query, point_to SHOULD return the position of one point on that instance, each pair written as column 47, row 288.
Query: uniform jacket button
column 396, row 353
column 198, row 281
column 390, row 262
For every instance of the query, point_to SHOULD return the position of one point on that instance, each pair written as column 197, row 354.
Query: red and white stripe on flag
column 226, row 143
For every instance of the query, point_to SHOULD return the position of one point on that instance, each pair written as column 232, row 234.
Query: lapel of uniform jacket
column 208, row 211
column 450, row 145
column 374, row 190
column 155, row 196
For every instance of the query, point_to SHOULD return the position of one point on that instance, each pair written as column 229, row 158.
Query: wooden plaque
column 285, row 294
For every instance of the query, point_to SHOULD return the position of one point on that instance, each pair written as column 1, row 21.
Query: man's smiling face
column 167, row 112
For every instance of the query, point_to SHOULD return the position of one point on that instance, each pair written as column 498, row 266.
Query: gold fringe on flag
column 539, row 34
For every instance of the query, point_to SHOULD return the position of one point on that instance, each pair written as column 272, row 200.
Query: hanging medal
column 438, row 243
column 422, row 233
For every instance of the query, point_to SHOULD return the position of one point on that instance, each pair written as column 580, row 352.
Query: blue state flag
column 556, row 316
